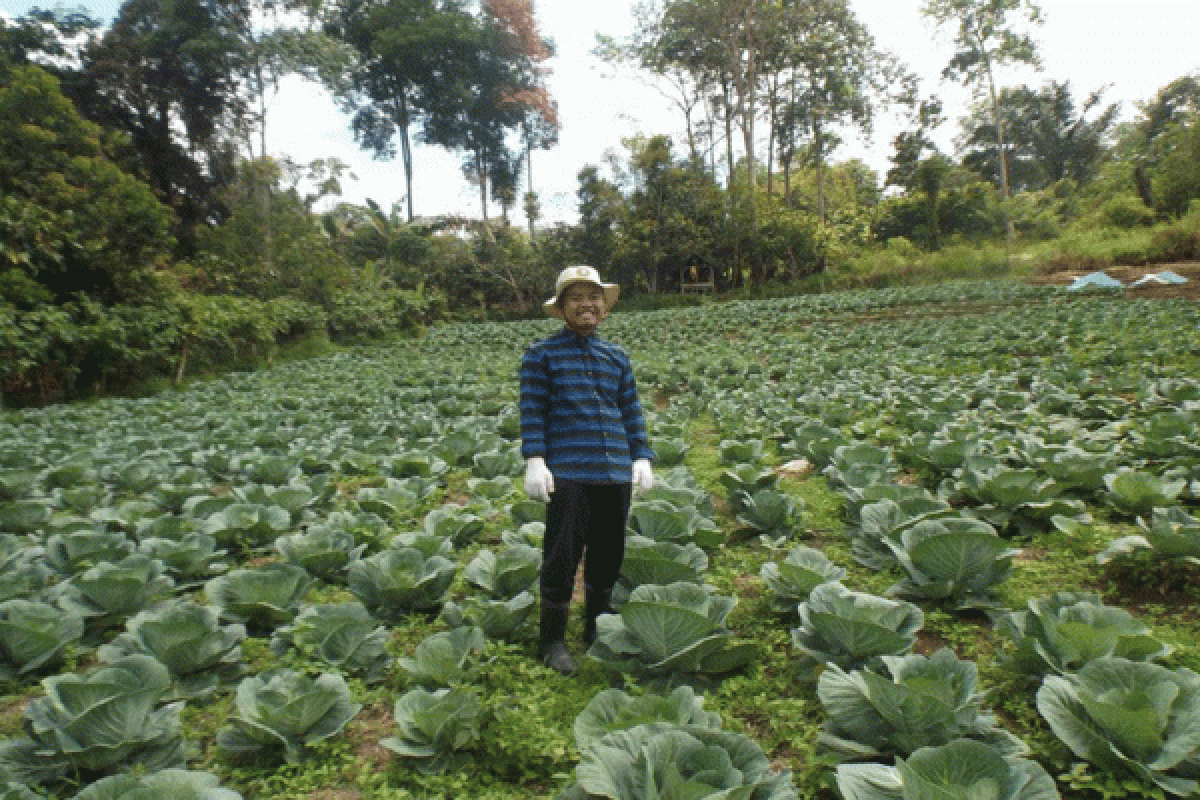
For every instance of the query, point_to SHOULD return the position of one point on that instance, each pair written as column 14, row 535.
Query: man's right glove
column 539, row 482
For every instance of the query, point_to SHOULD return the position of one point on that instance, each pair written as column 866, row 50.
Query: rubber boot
column 553, row 650
column 596, row 602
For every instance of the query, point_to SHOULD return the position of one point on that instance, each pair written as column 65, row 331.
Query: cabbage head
column 498, row 619
column 110, row 592
column 792, row 580
column 189, row 640
column 1172, row 533
column 445, row 659
column 669, row 632
column 248, row 525
column 615, row 710
column 955, row 566
column 189, row 560
column 105, row 719
column 260, row 597
column 34, row 636
column 70, row 553
column 436, row 730
column 400, row 580
column 1137, row 494
column 324, row 552
column 961, row 769
column 1130, row 718
column 283, row 712
column 506, row 573
column 168, row 784
column 649, row 561
column 852, row 629
column 1062, row 633
column 917, row 702
column 668, row 760
column 342, row 635
column 454, row 523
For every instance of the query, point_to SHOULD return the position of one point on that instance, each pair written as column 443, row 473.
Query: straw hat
column 580, row 274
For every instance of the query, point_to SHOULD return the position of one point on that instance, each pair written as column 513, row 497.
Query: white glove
column 539, row 482
column 643, row 477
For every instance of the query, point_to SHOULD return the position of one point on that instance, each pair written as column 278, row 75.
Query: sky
column 1134, row 49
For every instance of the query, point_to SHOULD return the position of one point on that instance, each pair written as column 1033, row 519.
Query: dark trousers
column 579, row 517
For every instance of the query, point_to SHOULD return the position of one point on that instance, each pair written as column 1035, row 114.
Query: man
column 585, row 444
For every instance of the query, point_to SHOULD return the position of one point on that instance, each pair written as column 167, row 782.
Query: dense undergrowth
column 779, row 423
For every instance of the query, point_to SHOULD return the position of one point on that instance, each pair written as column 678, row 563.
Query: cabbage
column 670, row 631
column 960, row 769
column 1130, row 717
column 106, row 719
column 918, row 702
column 283, row 712
column 189, row 640
column 852, row 629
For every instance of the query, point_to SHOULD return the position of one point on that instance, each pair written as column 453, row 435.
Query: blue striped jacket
column 580, row 409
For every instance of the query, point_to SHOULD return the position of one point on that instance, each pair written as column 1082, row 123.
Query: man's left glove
column 643, row 476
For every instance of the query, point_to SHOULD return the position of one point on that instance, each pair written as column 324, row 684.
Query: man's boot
column 596, row 602
column 553, row 650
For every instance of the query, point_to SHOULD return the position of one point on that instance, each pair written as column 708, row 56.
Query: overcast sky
column 1134, row 48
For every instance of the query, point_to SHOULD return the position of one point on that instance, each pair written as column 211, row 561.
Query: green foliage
column 72, row 219
column 342, row 635
column 1063, row 632
column 962, row 768
column 669, row 633
column 916, row 702
column 284, row 713
column 105, row 719
column 177, row 784
column 1128, row 717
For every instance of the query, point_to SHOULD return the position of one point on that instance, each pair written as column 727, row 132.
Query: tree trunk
column 1009, row 231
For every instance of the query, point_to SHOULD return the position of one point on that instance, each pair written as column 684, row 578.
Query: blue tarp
column 1165, row 277
column 1096, row 280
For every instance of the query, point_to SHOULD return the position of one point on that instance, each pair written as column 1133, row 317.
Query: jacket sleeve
column 535, row 396
column 632, row 417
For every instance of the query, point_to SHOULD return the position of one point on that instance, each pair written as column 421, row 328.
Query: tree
column 408, row 53
column 987, row 41
column 600, row 207
column 495, row 92
column 1048, row 138
column 833, row 72
column 1151, row 138
column 166, row 73
column 671, row 218
column 71, row 220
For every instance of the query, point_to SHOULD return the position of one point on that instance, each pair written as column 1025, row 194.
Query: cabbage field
column 913, row 543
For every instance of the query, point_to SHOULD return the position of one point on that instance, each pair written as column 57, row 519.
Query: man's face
column 583, row 307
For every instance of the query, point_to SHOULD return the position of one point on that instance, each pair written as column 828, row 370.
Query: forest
column 147, row 235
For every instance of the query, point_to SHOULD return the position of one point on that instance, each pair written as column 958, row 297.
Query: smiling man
column 584, row 440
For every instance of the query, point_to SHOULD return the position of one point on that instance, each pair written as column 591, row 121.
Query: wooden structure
column 697, row 279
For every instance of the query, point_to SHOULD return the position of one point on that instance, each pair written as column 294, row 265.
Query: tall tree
column 834, row 73
column 1149, row 140
column 499, row 83
column 987, row 40
column 166, row 73
column 1049, row 138
column 407, row 52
